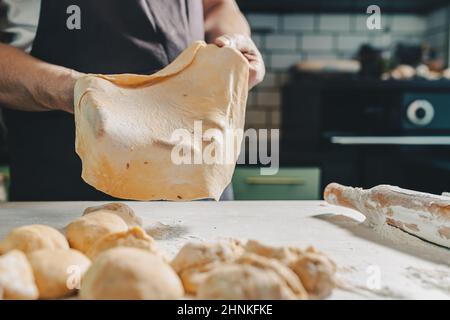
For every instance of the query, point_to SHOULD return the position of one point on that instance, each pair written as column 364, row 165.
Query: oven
column 367, row 132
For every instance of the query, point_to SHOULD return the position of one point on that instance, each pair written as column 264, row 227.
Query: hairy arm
column 29, row 84
column 225, row 25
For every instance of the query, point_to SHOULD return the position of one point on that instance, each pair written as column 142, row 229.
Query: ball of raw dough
column 243, row 282
column 120, row 209
column 33, row 237
column 283, row 254
column 316, row 272
column 194, row 260
column 286, row 275
column 134, row 237
column 83, row 232
column 16, row 277
column 58, row 272
column 130, row 274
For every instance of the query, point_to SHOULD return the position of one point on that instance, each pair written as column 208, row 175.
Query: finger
column 245, row 45
column 250, row 57
column 223, row 41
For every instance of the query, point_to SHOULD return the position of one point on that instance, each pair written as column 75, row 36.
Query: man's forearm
column 29, row 84
column 223, row 17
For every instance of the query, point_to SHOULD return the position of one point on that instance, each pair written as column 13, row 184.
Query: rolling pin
column 424, row 215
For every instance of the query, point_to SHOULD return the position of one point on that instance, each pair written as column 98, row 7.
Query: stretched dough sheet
column 131, row 129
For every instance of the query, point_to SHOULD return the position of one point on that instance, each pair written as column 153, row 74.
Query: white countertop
column 400, row 265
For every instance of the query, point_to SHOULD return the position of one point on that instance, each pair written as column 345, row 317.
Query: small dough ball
column 130, row 274
column 195, row 259
column 192, row 277
column 58, row 272
column 283, row 254
column 120, row 209
column 134, row 237
column 193, row 254
column 316, row 272
column 244, row 282
column 290, row 279
column 33, row 237
column 83, row 232
column 16, row 277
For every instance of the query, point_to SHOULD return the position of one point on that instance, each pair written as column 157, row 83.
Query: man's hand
column 225, row 25
column 247, row 47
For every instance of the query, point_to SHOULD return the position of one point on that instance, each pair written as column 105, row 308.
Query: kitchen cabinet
column 287, row 184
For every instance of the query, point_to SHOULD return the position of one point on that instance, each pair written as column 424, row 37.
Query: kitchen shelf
column 343, row 6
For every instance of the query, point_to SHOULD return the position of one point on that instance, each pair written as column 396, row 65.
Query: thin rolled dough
column 125, row 125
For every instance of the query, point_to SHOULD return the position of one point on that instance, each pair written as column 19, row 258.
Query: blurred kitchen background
column 356, row 106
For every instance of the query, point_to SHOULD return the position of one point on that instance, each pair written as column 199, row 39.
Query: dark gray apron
column 116, row 36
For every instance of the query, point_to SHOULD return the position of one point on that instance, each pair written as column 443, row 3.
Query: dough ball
column 193, row 254
column 129, row 273
column 195, row 259
column 192, row 277
column 33, row 237
column 283, row 254
column 316, row 272
column 290, row 279
column 120, row 209
column 83, row 232
column 134, row 237
column 58, row 272
column 16, row 277
column 244, row 282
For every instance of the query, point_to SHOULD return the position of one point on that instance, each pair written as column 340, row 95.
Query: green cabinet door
column 287, row 184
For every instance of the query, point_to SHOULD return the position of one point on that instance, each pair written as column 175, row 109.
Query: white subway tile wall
column 286, row 39
column 282, row 61
column 437, row 31
column 298, row 22
column 334, row 22
column 317, row 42
column 277, row 42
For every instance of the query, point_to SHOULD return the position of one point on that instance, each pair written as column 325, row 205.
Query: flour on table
column 431, row 278
column 170, row 236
